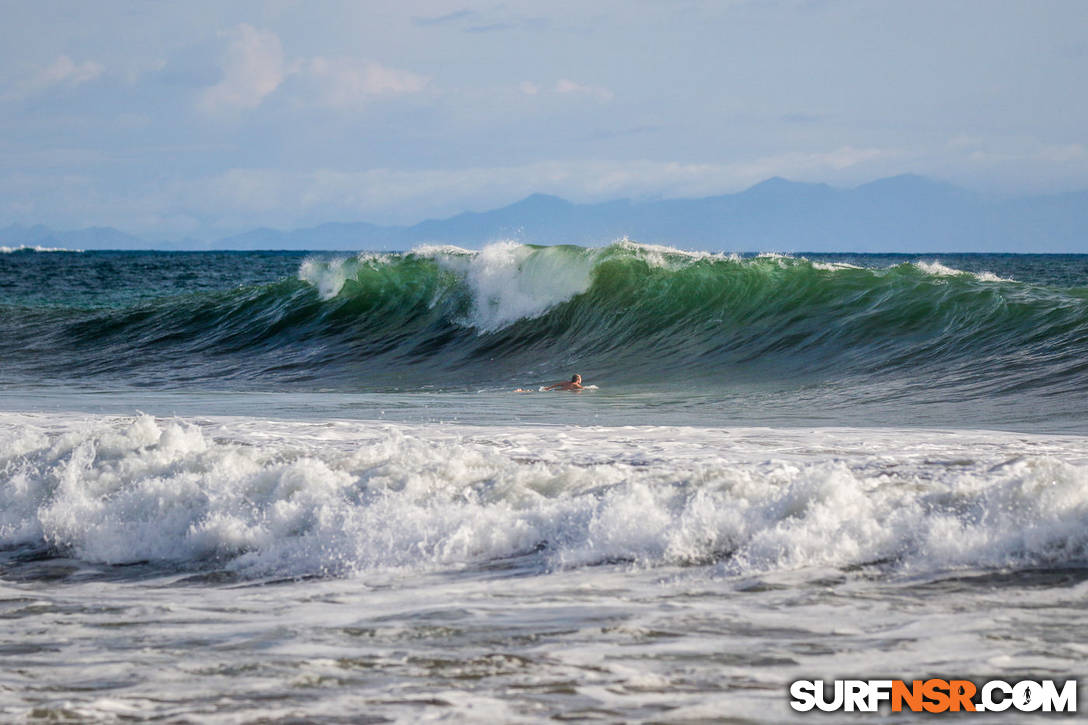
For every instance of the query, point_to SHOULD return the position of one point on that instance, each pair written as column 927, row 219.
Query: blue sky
column 205, row 118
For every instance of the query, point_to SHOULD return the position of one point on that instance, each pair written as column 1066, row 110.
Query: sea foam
column 506, row 281
column 511, row 281
column 36, row 248
column 291, row 499
column 937, row 269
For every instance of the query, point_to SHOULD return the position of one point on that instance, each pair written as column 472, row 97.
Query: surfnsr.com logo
column 934, row 695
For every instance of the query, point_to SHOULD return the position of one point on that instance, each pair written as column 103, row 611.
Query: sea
column 293, row 487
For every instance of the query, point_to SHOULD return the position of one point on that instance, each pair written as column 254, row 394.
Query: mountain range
column 905, row 213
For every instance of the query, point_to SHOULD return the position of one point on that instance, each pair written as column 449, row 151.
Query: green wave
column 625, row 313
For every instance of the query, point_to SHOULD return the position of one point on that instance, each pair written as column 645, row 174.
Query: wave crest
column 24, row 248
column 445, row 316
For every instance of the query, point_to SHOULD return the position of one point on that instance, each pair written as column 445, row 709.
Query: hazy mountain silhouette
column 899, row 214
column 89, row 238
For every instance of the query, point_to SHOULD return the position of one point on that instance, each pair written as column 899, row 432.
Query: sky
column 200, row 119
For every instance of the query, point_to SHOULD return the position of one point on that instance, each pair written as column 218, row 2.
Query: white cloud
column 1063, row 154
column 61, row 72
column 565, row 85
column 248, row 197
column 346, row 82
column 253, row 68
column 1025, row 152
column 802, row 164
column 64, row 70
column 140, row 68
column 964, row 141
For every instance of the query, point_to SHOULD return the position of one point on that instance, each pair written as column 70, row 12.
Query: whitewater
column 280, row 487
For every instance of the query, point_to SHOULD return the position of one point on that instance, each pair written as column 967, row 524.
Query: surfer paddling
column 573, row 385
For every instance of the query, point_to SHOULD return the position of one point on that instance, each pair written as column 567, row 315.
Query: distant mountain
column 899, row 214
column 89, row 238
column 325, row 236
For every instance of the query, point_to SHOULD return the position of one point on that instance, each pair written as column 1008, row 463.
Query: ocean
column 287, row 487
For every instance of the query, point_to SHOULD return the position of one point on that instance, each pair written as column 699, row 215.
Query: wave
column 267, row 498
column 36, row 248
column 493, row 288
column 625, row 313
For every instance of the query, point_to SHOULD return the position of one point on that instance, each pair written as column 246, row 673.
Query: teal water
column 672, row 337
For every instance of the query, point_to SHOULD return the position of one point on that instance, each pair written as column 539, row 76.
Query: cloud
column 472, row 21
column 801, row 118
column 141, row 68
column 492, row 27
column 254, row 68
column 1022, row 151
column 964, row 141
column 810, row 164
column 247, row 197
column 61, row 72
column 346, row 82
column 444, row 19
column 1063, row 154
column 613, row 133
column 565, row 85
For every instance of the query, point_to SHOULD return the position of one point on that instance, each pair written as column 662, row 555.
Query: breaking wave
column 26, row 249
column 443, row 316
column 265, row 498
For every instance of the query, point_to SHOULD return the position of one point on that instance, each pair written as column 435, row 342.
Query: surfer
column 574, row 384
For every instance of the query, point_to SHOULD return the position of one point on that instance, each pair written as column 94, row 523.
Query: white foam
column 659, row 255
column 330, row 275
column 36, row 248
column 267, row 497
column 507, row 281
column 511, row 281
column 833, row 266
column 937, row 269
column 435, row 250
